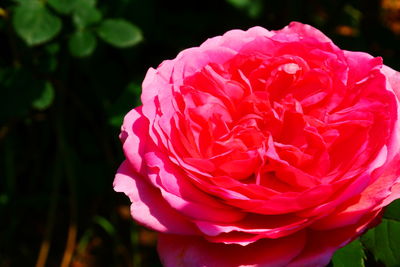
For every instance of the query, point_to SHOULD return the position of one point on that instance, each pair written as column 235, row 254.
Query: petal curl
column 148, row 207
column 133, row 136
column 189, row 251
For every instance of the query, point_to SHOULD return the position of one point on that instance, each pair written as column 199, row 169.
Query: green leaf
column 91, row 3
column 119, row 33
column 34, row 23
column 63, row 6
column 85, row 14
column 46, row 97
column 82, row 43
column 84, row 241
column 350, row 255
column 21, row 1
column 354, row 15
column 393, row 211
column 253, row 8
column 384, row 242
column 105, row 224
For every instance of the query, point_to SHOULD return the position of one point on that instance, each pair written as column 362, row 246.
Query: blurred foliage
column 71, row 69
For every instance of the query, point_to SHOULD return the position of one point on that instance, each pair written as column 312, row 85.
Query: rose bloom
column 262, row 148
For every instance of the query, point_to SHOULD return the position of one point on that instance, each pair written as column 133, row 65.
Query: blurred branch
column 70, row 177
column 71, row 242
column 51, row 215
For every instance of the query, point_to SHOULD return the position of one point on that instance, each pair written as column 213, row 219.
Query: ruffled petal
column 148, row 207
column 189, row 251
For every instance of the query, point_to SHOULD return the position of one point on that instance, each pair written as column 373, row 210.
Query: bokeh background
column 71, row 69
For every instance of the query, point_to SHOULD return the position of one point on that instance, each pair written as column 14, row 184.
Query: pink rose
column 262, row 148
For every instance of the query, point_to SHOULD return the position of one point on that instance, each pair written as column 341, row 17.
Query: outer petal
column 322, row 244
column 148, row 207
column 300, row 29
column 266, row 226
column 188, row 62
column 145, row 160
column 133, row 136
column 183, row 196
column 377, row 195
column 393, row 84
column 360, row 64
column 187, row 251
column 393, row 79
column 235, row 39
column 216, row 50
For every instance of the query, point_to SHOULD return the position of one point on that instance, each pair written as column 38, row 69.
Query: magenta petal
column 304, row 30
column 393, row 79
column 235, row 39
column 256, row 226
column 148, row 207
column 182, row 195
column 133, row 136
column 262, row 148
column 360, row 64
column 190, row 251
column 322, row 244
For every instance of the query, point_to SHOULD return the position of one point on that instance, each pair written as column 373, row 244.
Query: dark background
column 58, row 158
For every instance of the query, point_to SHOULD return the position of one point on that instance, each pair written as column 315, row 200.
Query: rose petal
column 133, row 136
column 148, row 207
column 322, row 244
column 184, row 251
